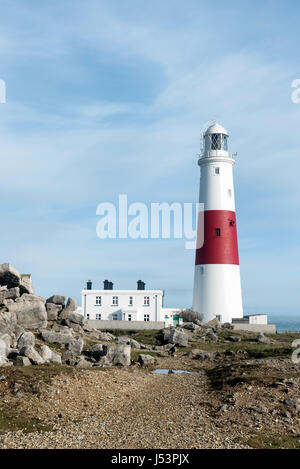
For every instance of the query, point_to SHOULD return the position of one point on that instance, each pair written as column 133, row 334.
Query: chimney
column 106, row 285
column 111, row 286
column 89, row 285
column 140, row 285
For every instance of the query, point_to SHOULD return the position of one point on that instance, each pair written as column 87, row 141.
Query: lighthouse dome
column 216, row 129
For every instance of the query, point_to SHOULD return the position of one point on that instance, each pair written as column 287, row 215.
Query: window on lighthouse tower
column 218, row 231
column 219, row 142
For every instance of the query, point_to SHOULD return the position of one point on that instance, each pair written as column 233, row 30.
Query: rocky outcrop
column 52, row 337
column 57, row 299
column 71, row 305
column 29, row 310
column 53, row 311
column 146, row 360
column 262, row 339
column 34, row 357
column 176, row 337
column 116, row 355
column 26, row 338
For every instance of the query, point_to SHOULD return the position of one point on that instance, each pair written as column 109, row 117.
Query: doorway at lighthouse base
column 217, row 292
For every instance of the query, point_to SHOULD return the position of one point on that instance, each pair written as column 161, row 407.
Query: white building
column 125, row 305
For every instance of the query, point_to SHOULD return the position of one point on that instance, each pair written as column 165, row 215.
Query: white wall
column 138, row 310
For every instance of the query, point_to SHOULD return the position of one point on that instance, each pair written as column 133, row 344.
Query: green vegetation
column 274, row 441
column 147, row 337
column 12, row 419
column 231, row 375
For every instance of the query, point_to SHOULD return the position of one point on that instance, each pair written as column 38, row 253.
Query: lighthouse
column 217, row 284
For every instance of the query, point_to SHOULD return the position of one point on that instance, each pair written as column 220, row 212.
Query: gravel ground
column 135, row 408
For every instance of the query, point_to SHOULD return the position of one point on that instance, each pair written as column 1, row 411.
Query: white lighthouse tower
column 217, row 285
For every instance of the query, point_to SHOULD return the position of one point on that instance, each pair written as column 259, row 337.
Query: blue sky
column 108, row 98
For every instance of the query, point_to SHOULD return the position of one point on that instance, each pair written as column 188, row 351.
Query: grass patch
column 12, row 419
column 274, row 441
column 148, row 337
column 32, row 377
column 231, row 375
column 136, row 353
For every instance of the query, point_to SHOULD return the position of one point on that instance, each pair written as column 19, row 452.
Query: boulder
column 212, row 337
column 214, row 324
column 57, row 299
column 191, row 326
column 9, row 294
column 69, row 358
column 53, row 311
column 72, row 317
column 3, row 350
column 146, row 360
column 76, row 327
column 7, row 339
column 176, row 337
column 83, row 363
column 97, row 351
column 262, row 339
column 128, row 341
column 116, row 355
column 9, row 275
column 30, row 311
column 227, row 325
column 29, row 352
column 8, row 321
column 21, row 361
column 197, row 354
column 26, row 285
column 25, row 339
column 71, row 305
column 233, row 338
column 48, row 355
column 53, row 337
column 75, row 345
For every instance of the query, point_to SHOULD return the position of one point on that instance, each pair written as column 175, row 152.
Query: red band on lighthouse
column 220, row 239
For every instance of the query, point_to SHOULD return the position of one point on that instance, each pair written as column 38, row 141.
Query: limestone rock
column 72, row 317
column 97, row 351
column 197, row 354
column 83, row 363
column 146, row 360
column 233, row 338
column 191, row 326
column 57, row 299
column 9, row 294
column 53, row 311
column 212, row 337
column 262, row 339
column 25, row 339
column 30, row 311
column 71, row 305
column 9, row 275
column 75, row 345
column 117, row 355
column 53, row 337
column 176, row 337
column 22, row 361
column 26, row 285
column 32, row 354
column 48, row 355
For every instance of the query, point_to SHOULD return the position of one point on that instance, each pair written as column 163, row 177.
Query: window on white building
column 115, row 300
column 146, row 300
column 88, row 316
column 98, row 300
column 131, row 300
column 146, row 317
column 115, row 317
column 217, row 170
column 98, row 316
column 129, row 317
